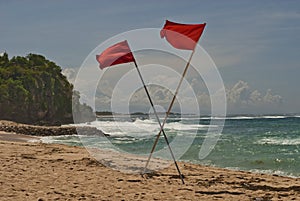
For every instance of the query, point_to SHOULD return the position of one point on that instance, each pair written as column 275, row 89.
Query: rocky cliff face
column 34, row 91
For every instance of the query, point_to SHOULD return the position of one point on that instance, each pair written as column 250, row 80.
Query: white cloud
column 70, row 73
column 241, row 98
column 242, row 94
column 270, row 98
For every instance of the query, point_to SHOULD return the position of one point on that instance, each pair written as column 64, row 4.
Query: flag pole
column 157, row 118
column 170, row 107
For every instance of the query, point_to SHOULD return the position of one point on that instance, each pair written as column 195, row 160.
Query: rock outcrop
column 9, row 126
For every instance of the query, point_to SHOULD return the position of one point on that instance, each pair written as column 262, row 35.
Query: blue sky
column 255, row 44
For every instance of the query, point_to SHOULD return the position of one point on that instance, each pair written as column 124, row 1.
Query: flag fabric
column 117, row 54
column 182, row 36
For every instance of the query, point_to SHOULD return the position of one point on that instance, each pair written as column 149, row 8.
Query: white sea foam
column 188, row 118
column 48, row 139
column 264, row 171
column 229, row 118
column 59, row 139
column 279, row 141
column 274, row 117
column 276, row 172
column 37, row 140
column 248, row 117
column 241, row 117
column 182, row 127
column 141, row 128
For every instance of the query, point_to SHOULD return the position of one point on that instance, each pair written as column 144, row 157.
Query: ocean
column 262, row 144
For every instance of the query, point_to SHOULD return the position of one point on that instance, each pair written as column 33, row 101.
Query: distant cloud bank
column 241, row 98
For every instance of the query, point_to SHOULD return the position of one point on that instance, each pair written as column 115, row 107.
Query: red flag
column 117, row 54
column 182, row 36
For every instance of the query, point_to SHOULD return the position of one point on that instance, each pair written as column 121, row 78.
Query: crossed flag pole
column 180, row 36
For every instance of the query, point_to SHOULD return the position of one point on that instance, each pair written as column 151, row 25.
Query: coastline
column 37, row 171
column 34, row 130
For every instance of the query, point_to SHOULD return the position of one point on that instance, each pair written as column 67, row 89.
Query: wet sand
column 13, row 137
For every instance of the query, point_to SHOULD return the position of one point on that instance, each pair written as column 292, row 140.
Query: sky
column 254, row 44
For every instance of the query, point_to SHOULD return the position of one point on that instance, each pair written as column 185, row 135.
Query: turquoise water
column 267, row 144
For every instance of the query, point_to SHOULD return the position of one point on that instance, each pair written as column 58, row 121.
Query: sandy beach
column 37, row 171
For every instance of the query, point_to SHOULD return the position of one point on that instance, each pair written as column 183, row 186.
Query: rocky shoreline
column 9, row 126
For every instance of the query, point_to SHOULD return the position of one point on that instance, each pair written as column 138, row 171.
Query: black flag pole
column 169, row 109
column 161, row 126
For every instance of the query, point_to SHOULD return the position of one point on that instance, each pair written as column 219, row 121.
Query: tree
column 33, row 90
column 4, row 60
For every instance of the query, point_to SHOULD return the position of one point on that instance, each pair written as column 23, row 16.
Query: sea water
column 265, row 144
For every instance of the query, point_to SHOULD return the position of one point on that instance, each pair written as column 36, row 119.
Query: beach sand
column 37, row 171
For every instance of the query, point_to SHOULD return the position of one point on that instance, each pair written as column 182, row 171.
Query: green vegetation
column 33, row 90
